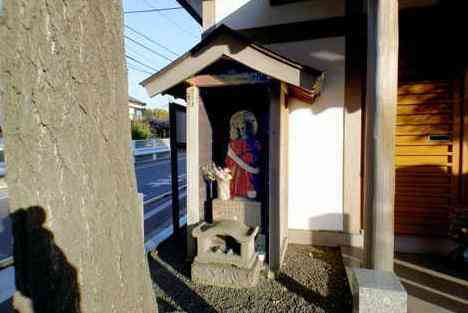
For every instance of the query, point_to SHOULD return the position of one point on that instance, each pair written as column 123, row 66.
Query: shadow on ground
column 312, row 280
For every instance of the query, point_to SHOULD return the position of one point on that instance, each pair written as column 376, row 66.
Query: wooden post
column 174, row 169
column 464, row 154
column 209, row 14
column 193, row 167
column 382, row 85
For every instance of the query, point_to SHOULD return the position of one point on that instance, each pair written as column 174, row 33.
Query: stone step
column 434, row 287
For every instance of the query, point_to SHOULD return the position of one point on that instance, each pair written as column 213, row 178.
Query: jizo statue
column 243, row 155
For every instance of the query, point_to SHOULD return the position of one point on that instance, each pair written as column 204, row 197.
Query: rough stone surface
column 312, row 280
column 225, row 275
column 376, row 291
column 213, row 243
column 72, row 186
column 244, row 211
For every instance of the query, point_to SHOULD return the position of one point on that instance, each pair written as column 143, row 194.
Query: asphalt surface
column 154, row 177
column 5, row 226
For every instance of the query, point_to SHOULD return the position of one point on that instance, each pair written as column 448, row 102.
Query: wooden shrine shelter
column 363, row 109
column 224, row 71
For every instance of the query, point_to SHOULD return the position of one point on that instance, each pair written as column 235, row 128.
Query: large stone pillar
column 382, row 84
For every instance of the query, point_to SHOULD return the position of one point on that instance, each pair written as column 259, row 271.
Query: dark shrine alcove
column 221, row 103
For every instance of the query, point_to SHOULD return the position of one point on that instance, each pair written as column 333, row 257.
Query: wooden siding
column 427, row 171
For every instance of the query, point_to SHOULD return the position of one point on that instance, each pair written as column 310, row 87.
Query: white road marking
column 162, row 207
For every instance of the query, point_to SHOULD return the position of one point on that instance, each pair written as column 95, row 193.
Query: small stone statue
column 222, row 176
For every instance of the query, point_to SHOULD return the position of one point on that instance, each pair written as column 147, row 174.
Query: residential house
column 135, row 108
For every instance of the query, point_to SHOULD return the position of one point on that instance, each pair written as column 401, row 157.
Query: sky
column 164, row 36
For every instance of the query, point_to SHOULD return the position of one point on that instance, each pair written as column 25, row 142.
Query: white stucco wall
column 316, row 139
column 240, row 14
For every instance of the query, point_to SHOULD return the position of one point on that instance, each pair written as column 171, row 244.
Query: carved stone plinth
column 225, row 275
column 244, row 211
column 226, row 255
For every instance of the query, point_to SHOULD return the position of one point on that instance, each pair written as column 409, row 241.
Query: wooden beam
column 382, row 90
column 298, row 31
column 211, row 80
column 283, row 170
column 354, row 102
column 274, row 173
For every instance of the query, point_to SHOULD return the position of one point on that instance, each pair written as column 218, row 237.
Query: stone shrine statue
column 243, row 156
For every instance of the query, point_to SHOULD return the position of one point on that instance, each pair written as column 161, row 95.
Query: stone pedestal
column 376, row 291
column 226, row 255
column 244, row 211
column 226, row 275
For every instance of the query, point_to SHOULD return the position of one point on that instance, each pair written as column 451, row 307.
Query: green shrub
column 140, row 130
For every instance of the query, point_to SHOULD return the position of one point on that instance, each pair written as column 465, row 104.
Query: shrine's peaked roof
column 224, row 42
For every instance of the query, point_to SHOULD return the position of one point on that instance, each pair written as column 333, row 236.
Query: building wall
column 316, row 139
column 242, row 14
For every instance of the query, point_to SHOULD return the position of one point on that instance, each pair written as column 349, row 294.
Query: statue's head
column 243, row 125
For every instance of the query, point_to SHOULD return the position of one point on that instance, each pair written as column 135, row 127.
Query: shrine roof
column 224, row 43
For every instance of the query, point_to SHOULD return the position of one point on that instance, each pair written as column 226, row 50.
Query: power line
column 136, row 54
column 151, row 40
column 171, row 21
column 153, row 10
column 147, row 48
column 141, row 63
column 138, row 70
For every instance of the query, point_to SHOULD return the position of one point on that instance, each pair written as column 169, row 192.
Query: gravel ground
column 313, row 279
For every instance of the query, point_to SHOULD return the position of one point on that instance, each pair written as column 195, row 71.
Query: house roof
column 189, row 6
column 222, row 43
column 136, row 101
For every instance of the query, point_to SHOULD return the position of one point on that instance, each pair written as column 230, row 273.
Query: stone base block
column 376, row 291
column 223, row 275
column 244, row 211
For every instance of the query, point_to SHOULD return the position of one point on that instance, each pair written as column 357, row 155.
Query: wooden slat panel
column 424, row 184
column 418, row 140
column 423, row 150
column 421, row 160
column 423, row 170
column 422, row 180
column 418, row 211
column 432, row 108
column 409, row 201
column 425, row 98
column 423, row 88
column 424, row 119
column 420, row 220
column 436, row 230
column 423, row 189
column 438, row 129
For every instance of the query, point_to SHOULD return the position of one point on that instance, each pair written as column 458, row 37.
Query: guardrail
column 155, row 147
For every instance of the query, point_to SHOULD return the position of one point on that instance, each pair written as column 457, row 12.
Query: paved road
column 5, row 227
column 154, row 178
